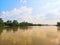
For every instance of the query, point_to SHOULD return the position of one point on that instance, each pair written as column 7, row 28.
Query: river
column 32, row 35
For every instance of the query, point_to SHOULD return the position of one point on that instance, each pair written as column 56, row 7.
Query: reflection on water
column 44, row 35
column 25, row 27
column 1, row 29
column 58, row 28
column 8, row 29
column 14, row 29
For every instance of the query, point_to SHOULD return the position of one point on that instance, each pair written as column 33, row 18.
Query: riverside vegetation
column 10, row 23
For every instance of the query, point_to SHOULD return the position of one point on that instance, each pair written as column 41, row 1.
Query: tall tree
column 15, row 23
column 58, row 23
column 1, row 22
column 8, row 23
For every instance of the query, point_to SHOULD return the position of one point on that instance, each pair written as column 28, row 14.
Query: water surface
column 36, row 35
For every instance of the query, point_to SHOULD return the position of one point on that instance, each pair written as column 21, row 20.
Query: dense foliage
column 58, row 23
column 15, row 23
column 1, row 22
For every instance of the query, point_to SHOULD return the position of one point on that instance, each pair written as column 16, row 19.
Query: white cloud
column 23, row 14
column 52, row 4
column 23, row 1
column 54, row 16
column 38, row 18
column 16, row 13
column 55, row 12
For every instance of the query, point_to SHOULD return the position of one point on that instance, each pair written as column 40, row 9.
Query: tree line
column 58, row 23
column 16, row 23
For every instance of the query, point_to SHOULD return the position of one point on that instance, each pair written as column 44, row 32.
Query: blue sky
column 34, row 11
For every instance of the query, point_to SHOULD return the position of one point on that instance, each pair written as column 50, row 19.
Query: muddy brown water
column 34, row 35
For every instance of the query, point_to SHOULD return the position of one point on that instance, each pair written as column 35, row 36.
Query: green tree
column 26, row 24
column 8, row 23
column 15, row 23
column 58, row 23
column 1, row 22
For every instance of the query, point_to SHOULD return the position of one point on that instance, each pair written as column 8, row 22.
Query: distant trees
column 28, row 24
column 15, row 23
column 58, row 23
column 1, row 22
column 8, row 23
column 11, row 23
column 25, row 24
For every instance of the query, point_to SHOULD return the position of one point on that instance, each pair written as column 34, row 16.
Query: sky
column 33, row 11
